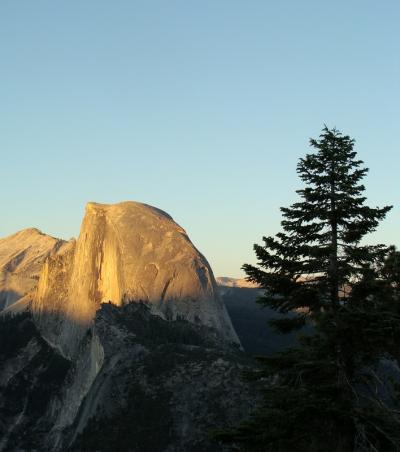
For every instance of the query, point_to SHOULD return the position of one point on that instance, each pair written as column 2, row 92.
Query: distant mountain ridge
column 236, row 282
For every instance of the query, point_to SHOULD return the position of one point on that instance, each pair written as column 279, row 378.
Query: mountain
column 124, row 344
column 225, row 281
column 21, row 258
column 126, row 252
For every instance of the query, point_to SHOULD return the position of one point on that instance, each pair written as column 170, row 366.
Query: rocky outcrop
column 141, row 383
column 21, row 259
column 126, row 252
column 164, row 386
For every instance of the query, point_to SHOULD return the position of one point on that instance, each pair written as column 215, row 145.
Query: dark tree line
column 334, row 392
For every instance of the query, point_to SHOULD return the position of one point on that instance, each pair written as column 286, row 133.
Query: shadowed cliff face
column 126, row 252
column 163, row 386
column 156, row 385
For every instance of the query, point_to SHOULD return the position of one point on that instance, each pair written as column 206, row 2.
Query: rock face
column 166, row 391
column 163, row 386
column 126, row 252
column 21, row 259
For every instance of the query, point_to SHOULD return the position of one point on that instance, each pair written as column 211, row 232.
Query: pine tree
column 329, row 393
column 391, row 269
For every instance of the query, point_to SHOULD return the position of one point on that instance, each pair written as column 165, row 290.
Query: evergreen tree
column 331, row 392
column 391, row 268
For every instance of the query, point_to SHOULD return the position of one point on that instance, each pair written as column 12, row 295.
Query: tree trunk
column 333, row 260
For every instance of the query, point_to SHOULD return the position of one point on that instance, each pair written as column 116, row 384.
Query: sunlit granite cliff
column 126, row 252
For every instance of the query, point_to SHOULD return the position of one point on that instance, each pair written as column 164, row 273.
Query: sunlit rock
column 126, row 252
column 21, row 259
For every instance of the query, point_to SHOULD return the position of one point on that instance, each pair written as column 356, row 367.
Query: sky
column 199, row 108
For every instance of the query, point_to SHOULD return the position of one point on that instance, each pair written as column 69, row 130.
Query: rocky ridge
column 21, row 259
column 242, row 283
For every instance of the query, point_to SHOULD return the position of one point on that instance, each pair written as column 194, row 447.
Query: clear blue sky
column 199, row 108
